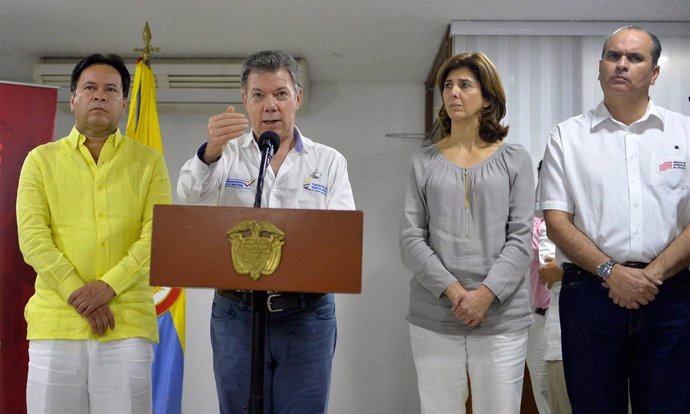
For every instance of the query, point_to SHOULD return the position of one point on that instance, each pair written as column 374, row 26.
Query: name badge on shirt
column 670, row 169
column 239, row 183
column 311, row 185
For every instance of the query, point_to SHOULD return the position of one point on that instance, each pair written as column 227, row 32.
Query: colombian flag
column 168, row 363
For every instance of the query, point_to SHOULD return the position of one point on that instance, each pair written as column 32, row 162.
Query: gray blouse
column 472, row 225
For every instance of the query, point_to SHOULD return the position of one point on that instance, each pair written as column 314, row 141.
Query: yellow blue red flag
column 142, row 123
column 168, row 363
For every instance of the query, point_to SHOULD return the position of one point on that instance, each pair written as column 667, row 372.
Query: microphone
column 269, row 142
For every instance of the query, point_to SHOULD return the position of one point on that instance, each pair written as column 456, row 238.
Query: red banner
column 27, row 119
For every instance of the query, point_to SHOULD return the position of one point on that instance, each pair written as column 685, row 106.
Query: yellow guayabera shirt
column 79, row 222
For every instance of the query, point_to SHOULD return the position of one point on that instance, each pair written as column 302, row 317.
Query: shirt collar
column 299, row 142
column 76, row 138
column 601, row 113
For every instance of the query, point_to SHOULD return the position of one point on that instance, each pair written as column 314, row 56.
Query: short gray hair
column 270, row 61
column 656, row 44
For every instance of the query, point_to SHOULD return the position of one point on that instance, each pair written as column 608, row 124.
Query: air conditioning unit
column 178, row 81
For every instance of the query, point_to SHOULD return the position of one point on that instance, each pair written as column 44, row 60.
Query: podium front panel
column 322, row 250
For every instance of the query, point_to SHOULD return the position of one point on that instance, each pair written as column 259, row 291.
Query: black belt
column 573, row 266
column 275, row 301
column 540, row 311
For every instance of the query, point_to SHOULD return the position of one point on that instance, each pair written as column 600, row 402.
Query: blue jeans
column 607, row 349
column 300, row 344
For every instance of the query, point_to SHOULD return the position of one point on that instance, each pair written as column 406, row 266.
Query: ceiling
column 359, row 41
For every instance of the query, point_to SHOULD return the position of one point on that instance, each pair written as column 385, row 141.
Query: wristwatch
column 604, row 270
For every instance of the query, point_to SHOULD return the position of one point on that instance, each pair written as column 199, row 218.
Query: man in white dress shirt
column 300, row 327
column 615, row 191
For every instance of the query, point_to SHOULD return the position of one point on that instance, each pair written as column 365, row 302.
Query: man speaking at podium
column 300, row 327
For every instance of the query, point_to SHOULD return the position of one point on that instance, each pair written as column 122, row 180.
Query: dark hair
column 270, row 61
column 98, row 59
column 539, row 167
column 490, row 128
column 656, row 44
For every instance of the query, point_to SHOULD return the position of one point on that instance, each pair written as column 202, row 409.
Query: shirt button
column 103, row 243
column 635, row 205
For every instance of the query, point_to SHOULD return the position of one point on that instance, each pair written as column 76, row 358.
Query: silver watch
column 604, row 270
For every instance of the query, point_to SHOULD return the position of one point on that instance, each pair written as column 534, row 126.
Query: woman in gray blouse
column 466, row 236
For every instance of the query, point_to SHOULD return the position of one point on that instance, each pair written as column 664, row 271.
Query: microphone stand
column 259, row 299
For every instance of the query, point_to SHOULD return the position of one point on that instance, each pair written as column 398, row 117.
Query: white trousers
column 536, row 347
column 88, row 376
column 558, row 394
column 495, row 364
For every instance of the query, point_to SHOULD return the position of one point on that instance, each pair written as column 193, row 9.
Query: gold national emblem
column 256, row 248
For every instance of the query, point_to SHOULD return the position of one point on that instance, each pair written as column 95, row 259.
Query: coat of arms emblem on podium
column 256, row 248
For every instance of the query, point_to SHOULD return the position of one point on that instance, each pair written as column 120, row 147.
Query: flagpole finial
column 146, row 51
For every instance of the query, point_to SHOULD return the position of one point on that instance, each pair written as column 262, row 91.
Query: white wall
column 373, row 372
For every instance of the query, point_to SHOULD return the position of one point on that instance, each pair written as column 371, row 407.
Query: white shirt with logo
column 627, row 187
column 312, row 176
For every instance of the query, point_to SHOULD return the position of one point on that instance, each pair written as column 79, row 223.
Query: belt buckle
column 269, row 302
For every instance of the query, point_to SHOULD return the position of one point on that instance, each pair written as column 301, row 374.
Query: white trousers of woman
column 89, row 377
column 495, row 365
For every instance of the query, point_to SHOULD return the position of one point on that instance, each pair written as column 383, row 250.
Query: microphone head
column 269, row 138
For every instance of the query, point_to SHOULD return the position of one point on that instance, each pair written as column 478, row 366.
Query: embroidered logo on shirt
column 239, row 183
column 312, row 186
column 672, row 165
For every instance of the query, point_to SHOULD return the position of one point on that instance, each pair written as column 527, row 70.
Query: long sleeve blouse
column 471, row 225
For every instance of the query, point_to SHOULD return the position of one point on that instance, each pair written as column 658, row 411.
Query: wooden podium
column 322, row 253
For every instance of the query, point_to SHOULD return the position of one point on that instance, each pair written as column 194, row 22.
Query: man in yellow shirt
column 84, row 214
